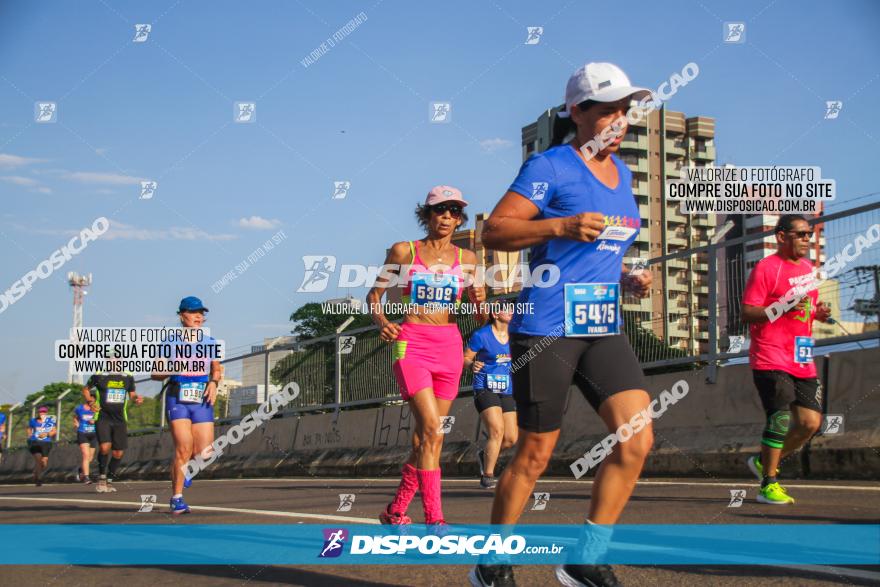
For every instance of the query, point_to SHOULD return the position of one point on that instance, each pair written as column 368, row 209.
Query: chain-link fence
column 691, row 318
column 694, row 312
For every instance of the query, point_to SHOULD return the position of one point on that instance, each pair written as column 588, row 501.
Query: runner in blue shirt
column 488, row 356
column 41, row 433
column 2, row 433
column 84, row 423
column 577, row 212
column 189, row 403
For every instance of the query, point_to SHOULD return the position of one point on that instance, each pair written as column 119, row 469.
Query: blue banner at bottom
column 310, row 544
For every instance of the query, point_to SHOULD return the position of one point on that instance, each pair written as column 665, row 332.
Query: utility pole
column 78, row 283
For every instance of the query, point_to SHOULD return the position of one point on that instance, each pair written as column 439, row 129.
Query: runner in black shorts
column 110, row 404
column 2, row 434
column 781, row 352
column 576, row 211
column 488, row 354
column 86, row 438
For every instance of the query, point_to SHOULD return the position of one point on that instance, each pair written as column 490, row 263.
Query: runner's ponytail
column 563, row 128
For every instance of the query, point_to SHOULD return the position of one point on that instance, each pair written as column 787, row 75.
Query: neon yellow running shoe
column 775, row 494
column 757, row 468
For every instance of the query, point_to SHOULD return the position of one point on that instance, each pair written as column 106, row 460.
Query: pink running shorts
column 428, row 355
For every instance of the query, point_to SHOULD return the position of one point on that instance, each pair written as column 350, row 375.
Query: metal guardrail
column 714, row 276
column 697, row 291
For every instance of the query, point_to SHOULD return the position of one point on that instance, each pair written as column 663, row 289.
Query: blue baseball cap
column 191, row 304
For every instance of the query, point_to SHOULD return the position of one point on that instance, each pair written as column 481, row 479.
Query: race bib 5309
column 434, row 288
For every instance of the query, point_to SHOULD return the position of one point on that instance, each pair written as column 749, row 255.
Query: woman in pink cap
column 42, row 431
column 427, row 349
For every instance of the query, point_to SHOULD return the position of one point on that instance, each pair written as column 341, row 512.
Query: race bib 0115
column 192, row 392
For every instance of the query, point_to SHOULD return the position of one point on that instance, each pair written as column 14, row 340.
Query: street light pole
column 355, row 305
column 9, row 428
column 58, row 414
column 34, row 405
column 337, row 394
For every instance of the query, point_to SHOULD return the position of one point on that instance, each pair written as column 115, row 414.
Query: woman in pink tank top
column 427, row 349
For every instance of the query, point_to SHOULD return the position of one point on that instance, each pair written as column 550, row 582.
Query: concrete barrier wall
column 709, row 432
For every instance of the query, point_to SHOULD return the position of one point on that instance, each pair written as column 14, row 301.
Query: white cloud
column 258, row 223
column 492, row 145
column 7, row 160
column 26, row 182
column 19, row 180
column 103, row 178
column 120, row 230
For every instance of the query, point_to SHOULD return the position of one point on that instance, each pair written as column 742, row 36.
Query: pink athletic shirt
column 773, row 343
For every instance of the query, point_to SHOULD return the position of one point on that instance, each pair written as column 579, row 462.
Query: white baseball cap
column 602, row 82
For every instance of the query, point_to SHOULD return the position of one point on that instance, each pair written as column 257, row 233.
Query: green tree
column 312, row 367
column 310, row 321
column 146, row 415
column 53, row 390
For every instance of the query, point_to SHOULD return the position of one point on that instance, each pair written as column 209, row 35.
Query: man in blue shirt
column 2, row 433
column 86, row 438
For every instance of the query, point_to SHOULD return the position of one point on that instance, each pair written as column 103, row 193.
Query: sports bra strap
column 417, row 258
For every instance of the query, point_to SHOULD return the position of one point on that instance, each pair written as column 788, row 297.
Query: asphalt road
column 311, row 500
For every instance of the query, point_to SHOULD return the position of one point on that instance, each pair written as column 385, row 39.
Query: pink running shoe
column 438, row 528
column 394, row 518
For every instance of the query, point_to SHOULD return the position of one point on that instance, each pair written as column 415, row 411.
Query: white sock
column 604, row 531
column 177, row 496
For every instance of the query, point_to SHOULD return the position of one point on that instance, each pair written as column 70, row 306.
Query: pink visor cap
column 444, row 193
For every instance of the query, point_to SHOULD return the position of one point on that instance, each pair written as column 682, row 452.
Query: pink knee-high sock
column 429, row 484
column 409, row 483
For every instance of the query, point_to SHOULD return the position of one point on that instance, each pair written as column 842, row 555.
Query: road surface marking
column 208, row 508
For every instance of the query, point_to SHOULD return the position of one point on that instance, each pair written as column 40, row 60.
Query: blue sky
column 163, row 110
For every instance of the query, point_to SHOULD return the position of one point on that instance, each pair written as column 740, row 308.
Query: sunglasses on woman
column 441, row 209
